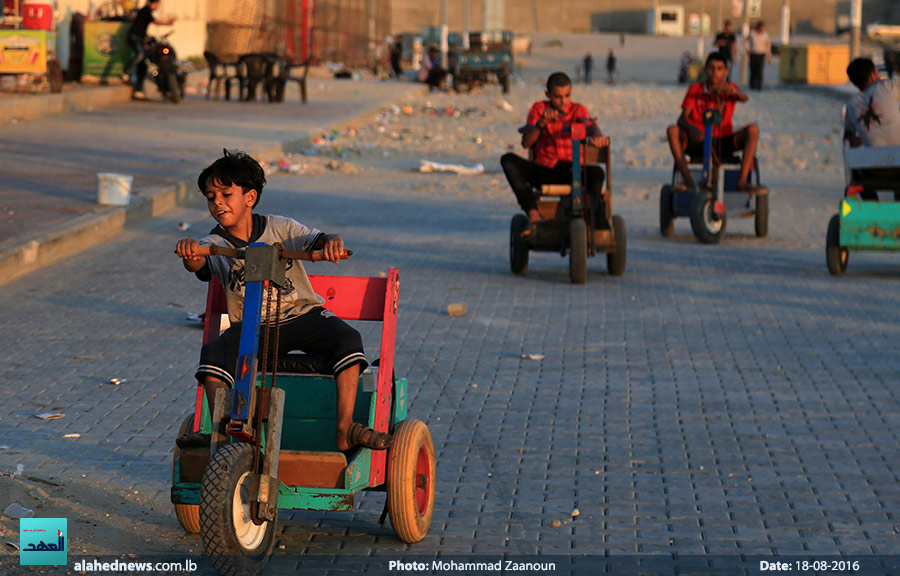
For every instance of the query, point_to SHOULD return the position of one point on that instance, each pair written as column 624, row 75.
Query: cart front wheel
column 410, row 480
column 836, row 256
column 172, row 82
column 231, row 540
column 762, row 215
column 518, row 246
column 707, row 227
column 666, row 213
column 577, row 251
column 188, row 514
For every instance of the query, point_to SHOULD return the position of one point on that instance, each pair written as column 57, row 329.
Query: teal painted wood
column 400, row 402
column 299, row 498
column 870, row 225
column 185, row 493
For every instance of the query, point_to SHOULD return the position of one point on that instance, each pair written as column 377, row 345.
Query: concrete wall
column 808, row 16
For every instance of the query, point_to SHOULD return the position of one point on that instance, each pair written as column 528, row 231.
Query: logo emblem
column 42, row 541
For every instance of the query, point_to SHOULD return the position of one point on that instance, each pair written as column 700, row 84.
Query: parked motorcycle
column 170, row 74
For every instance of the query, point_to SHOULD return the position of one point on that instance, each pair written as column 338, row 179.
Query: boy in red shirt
column 545, row 131
column 688, row 134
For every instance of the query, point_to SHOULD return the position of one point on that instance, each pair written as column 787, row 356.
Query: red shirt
column 554, row 145
column 698, row 100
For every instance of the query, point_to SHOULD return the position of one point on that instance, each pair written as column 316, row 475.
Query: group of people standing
column 758, row 45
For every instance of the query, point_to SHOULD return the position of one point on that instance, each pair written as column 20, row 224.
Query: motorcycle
column 170, row 75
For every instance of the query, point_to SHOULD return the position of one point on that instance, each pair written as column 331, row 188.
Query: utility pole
column 855, row 26
column 785, row 22
column 465, row 38
column 701, row 44
column 445, row 48
column 745, row 34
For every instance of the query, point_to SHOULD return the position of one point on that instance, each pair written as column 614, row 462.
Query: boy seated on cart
column 687, row 135
column 872, row 118
column 545, row 132
column 232, row 186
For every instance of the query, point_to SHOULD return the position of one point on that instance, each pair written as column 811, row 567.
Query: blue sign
column 42, row 541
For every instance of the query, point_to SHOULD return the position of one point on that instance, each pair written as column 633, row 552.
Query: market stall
column 28, row 41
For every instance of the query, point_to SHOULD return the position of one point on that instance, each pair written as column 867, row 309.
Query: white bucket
column 114, row 189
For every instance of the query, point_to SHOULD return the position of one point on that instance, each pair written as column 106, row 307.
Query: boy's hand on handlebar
column 334, row 248
column 187, row 249
column 599, row 141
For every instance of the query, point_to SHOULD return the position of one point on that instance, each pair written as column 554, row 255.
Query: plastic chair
column 219, row 72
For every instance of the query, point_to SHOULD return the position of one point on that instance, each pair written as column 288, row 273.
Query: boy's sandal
column 360, row 435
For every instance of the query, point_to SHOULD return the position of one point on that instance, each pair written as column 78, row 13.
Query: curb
column 81, row 99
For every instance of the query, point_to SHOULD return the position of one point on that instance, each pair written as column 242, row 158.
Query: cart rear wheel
column 762, row 215
column 231, row 540
column 410, row 480
column 518, row 246
column 666, row 214
column 188, row 514
column 706, row 226
column 836, row 256
column 577, row 251
column 615, row 261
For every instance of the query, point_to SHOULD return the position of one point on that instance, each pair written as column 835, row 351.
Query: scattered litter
column 49, row 416
column 458, row 309
column 13, row 545
column 505, row 105
column 116, row 381
column 19, row 469
column 575, row 513
column 15, row 510
column 4, row 447
column 42, row 480
column 184, row 226
column 429, row 166
column 71, row 435
column 194, row 317
column 556, row 523
column 532, row 356
column 342, row 167
column 87, row 357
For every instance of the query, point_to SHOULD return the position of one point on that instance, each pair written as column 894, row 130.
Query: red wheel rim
column 423, row 481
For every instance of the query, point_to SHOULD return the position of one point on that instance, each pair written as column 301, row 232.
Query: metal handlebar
column 310, row 256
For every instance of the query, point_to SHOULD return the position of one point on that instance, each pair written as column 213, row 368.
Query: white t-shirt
column 874, row 115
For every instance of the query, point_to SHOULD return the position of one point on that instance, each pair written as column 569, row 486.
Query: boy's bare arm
column 186, row 250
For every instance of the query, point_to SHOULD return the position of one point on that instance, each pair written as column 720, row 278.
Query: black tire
column 578, row 251
column 615, row 261
column 836, row 256
column 706, row 228
column 666, row 213
column 761, row 218
column 233, row 543
column 55, row 76
column 518, row 246
column 411, row 480
column 173, row 92
column 188, row 514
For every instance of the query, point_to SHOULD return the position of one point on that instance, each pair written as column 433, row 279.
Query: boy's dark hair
column 715, row 56
column 234, row 168
column 558, row 80
column 859, row 71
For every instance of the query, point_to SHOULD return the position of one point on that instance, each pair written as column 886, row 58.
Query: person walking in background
column 726, row 43
column 760, row 47
column 588, row 66
column 611, row 66
column 396, row 54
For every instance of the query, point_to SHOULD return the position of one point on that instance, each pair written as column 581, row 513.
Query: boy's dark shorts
column 724, row 148
column 318, row 333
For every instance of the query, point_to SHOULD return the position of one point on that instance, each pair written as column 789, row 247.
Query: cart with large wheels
column 864, row 222
column 717, row 196
column 570, row 221
column 278, row 451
